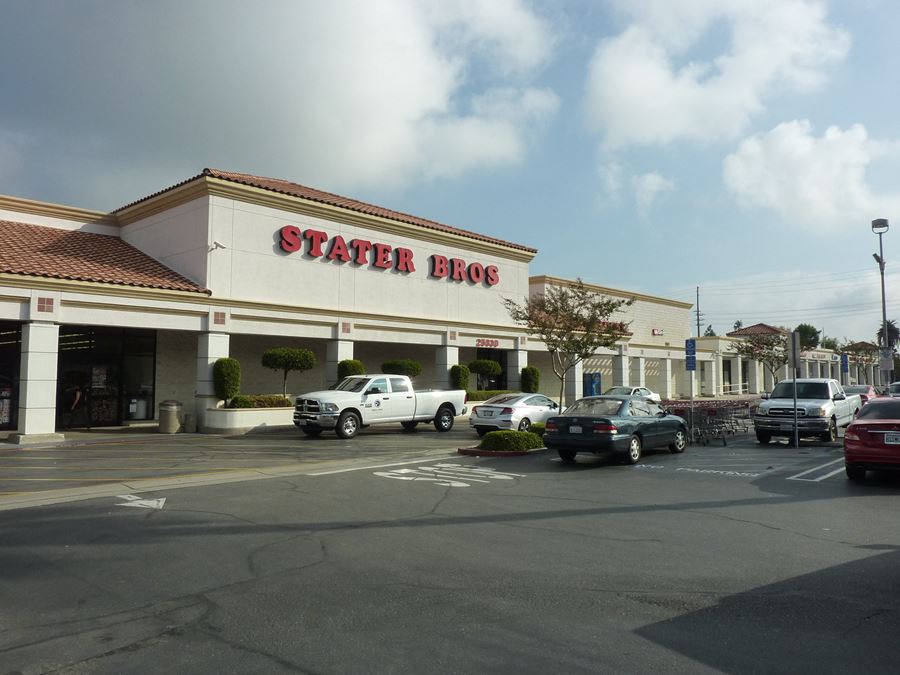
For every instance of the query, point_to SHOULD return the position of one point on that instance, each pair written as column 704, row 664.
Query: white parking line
column 800, row 475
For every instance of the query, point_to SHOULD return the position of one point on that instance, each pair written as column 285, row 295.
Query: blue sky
column 742, row 146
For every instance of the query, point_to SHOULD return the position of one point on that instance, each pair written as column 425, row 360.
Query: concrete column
column 640, row 371
column 210, row 348
column 804, row 368
column 665, row 372
column 720, row 379
column 754, row 379
column 335, row 352
column 768, row 380
column 574, row 379
column 620, row 370
column 37, row 386
column 444, row 359
column 710, row 382
column 516, row 359
column 737, row 375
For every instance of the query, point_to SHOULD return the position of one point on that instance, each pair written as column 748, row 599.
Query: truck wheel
column 443, row 421
column 347, row 425
column 763, row 437
column 312, row 431
column 830, row 436
column 409, row 426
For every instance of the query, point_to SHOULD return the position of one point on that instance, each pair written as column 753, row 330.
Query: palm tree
column 893, row 334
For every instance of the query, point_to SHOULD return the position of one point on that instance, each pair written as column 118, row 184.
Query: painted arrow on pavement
column 134, row 500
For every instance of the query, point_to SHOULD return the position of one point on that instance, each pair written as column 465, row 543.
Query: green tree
column 829, row 343
column 287, row 359
column 226, row 378
column 709, row 332
column 459, row 377
column 809, row 336
column 572, row 321
column 484, row 369
column 893, row 335
column 531, row 379
column 406, row 367
column 770, row 349
column 349, row 367
column 738, row 324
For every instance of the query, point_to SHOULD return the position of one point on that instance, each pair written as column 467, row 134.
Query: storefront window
column 10, row 357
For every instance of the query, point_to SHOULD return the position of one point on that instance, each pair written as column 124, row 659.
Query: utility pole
column 698, row 311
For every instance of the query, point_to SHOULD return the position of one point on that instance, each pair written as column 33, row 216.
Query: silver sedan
column 511, row 411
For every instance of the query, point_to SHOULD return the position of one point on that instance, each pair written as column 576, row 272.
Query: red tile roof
column 303, row 192
column 37, row 251
column 756, row 329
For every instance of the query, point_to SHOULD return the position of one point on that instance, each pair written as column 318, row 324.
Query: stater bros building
column 136, row 305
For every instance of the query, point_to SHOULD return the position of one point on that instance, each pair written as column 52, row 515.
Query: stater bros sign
column 317, row 244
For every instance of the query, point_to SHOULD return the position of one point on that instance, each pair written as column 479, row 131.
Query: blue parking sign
column 845, row 363
column 690, row 347
column 690, row 362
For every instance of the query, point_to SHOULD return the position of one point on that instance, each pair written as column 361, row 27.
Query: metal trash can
column 170, row 417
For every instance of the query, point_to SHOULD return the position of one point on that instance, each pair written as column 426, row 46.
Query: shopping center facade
column 134, row 306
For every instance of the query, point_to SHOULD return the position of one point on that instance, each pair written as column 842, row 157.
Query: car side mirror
column 765, row 395
column 839, row 397
column 553, row 406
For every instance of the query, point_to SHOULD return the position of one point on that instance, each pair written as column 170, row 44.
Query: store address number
column 485, row 342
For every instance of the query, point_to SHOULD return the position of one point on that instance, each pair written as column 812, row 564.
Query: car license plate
column 487, row 413
column 302, row 422
column 574, row 430
column 892, row 439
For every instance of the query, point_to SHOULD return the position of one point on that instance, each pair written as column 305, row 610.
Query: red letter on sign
column 438, row 266
column 493, row 275
column 339, row 250
column 404, row 260
column 362, row 248
column 476, row 273
column 316, row 239
column 290, row 238
column 458, row 267
column 382, row 256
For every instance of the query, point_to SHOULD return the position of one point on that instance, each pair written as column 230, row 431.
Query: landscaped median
column 507, row 443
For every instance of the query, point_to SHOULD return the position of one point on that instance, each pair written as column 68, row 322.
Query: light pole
column 879, row 227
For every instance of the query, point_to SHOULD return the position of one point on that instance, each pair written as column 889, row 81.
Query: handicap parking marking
column 816, row 475
column 727, row 473
column 449, row 475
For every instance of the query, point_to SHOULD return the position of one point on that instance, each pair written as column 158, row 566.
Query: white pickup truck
column 822, row 407
column 361, row 400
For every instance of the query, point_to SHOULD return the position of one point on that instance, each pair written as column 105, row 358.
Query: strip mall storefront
column 133, row 307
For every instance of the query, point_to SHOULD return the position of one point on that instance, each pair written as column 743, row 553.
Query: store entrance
column 10, row 357
column 105, row 376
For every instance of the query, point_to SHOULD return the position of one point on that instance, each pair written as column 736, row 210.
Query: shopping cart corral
column 715, row 420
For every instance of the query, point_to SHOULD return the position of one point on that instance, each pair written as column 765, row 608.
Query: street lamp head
column 880, row 225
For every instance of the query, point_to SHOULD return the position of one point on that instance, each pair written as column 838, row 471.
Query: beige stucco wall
column 176, row 368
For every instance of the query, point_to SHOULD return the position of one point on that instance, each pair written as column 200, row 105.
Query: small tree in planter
column 406, row 367
column 349, row 367
column 287, row 359
column 226, row 378
column 531, row 379
column 484, row 369
column 459, row 377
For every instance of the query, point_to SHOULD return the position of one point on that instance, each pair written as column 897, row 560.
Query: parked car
column 893, row 390
column 511, row 411
column 865, row 391
column 643, row 392
column 872, row 441
column 822, row 407
column 625, row 425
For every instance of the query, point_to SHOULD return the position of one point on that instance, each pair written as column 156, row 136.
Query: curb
column 478, row 452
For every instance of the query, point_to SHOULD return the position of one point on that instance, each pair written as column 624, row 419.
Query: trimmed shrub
column 226, row 378
column 406, row 367
column 531, row 379
column 287, row 359
column 510, row 440
column 485, row 394
column 260, row 401
column 537, row 428
column 485, row 368
column 459, row 377
column 349, row 367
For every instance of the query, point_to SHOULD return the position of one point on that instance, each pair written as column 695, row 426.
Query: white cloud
column 343, row 95
column 647, row 86
column 647, row 188
column 810, row 182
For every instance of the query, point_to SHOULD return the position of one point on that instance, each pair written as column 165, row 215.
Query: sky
column 741, row 147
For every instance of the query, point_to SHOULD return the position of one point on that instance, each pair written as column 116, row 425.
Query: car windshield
column 880, row 410
column 502, row 398
column 352, row 384
column 804, row 390
column 596, row 407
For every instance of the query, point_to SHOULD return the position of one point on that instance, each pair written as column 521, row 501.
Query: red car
column 872, row 441
column 866, row 391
